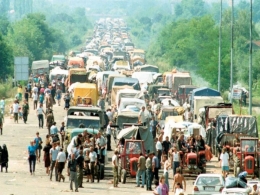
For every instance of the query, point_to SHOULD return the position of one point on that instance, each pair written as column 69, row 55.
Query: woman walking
column 40, row 113
column 46, row 156
column 224, row 158
column 20, row 92
column 32, row 156
column 4, row 158
column 58, row 95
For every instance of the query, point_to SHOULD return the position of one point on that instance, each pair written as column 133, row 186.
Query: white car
column 208, row 184
column 237, row 191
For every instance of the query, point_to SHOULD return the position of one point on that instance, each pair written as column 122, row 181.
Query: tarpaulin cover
column 242, row 124
column 142, row 133
column 115, row 90
column 126, row 117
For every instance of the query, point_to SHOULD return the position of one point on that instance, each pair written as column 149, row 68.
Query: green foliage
column 6, row 58
column 4, row 7
column 32, row 37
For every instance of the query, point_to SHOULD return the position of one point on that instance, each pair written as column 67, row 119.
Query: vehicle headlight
column 195, row 167
column 189, row 166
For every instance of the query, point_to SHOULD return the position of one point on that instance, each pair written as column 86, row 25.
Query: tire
column 124, row 175
column 102, row 171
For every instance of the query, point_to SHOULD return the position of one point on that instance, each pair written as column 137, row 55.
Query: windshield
column 167, row 113
column 208, row 181
column 164, row 92
column 132, row 108
column 88, row 123
column 78, row 78
column 133, row 148
column 248, row 145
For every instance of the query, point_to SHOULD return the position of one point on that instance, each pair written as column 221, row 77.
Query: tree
column 6, row 58
column 4, row 7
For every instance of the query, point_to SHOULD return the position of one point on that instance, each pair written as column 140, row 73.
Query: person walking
column 115, row 168
column 4, row 158
column 153, row 126
column 53, row 158
column 163, row 186
column 26, row 94
column 158, row 146
column 38, row 143
column 155, row 167
column 80, row 163
column 166, row 145
column 148, row 165
column 224, row 159
column 93, row 163
column 40, row 113
column 60, row 164
column 25, row 111
column 15, row 110
column 72, row 172
column 141, row 170
column 49, row 120
column 46, row 156
column 142, row 117
column 41, row 98
column 108, row 134
column 58, row 95
column 1, row 122
column 67, row 101
column 20, row 92
column 35, row 100
column 178, row 178
column 166, row 166
column 176, row 159
column 32, row 156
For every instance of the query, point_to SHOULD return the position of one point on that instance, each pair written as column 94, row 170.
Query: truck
column 40, row 67
column 76, row 75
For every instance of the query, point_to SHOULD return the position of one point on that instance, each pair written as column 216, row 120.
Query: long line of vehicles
column 110, row 66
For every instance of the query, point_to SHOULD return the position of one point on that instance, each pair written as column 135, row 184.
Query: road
column 19, row 181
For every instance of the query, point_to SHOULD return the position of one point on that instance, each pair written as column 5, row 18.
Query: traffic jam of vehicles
column 109, row 80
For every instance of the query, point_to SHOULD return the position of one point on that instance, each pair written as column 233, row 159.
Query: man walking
column 155, row 166
column 40, row 113
column 72, row 172
column 148, row 165
column 158, row 146
column 141, row 170
column 53, row 158
column 25, row 111
column 178, row 178
column 108, row 133
column 35, row 100
column 101, row 145
column 80, row 163
column 93, row 163
column 60, row 164
column 49, row 120
column 115, row 168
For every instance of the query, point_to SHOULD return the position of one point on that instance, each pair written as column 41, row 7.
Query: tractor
column 128, row 158
column 249, row 156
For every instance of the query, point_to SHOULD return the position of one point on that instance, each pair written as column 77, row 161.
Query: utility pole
column 219, row 49
column 231, row 50
column 250, row 59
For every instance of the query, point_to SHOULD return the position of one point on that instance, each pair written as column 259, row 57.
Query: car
column 208, row 184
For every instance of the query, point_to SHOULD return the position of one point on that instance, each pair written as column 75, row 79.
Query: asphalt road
column 19, row 181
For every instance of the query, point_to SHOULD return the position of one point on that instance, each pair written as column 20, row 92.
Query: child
column 20, row 114
column 11, row 112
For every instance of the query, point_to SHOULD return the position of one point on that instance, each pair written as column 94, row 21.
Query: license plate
column 210, row 188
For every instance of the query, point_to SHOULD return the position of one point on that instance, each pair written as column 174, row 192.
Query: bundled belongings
column 237, row 182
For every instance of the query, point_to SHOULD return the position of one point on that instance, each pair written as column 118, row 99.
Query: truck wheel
column 124, row 175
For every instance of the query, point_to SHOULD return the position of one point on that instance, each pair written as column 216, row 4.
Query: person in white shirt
column 109, row 114
column 115, row 168
column 101, row 145
column 40, row 113
column 108, row 134
column 15, row 110
column 35, row 89
column 35, row 100
column 158, row 146
column 142, row 117
column 178, row 189
column 60, row 164
column 224, row 158
column 255, row 190
column 166, row 166
column 93, row 163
